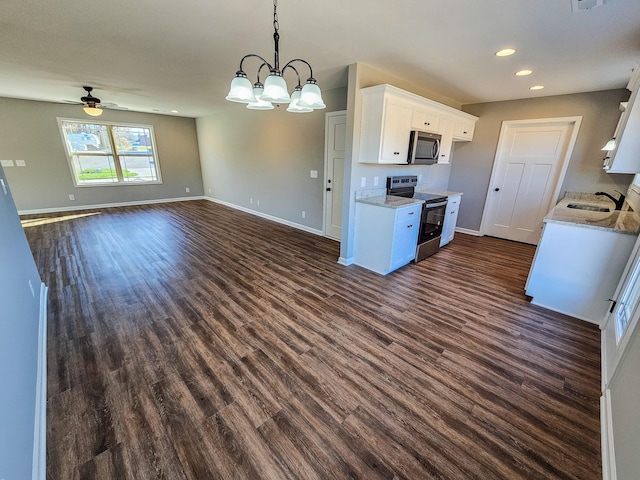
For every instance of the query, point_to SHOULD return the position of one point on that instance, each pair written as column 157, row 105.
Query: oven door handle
column 434, row 205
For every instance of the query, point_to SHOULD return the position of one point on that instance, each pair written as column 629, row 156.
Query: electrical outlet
column 304, row 214
column 363, row 182
column 6, row 163
column 251, row 201
column 21, row 163
column 375, row 181
column 209, row 190
column 419, row 177
column 313, row 173
column 187, row 189
column 258, row 202
column 72, row 197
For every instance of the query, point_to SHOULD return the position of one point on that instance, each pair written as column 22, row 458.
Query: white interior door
column 335, row 134
column 530, row 163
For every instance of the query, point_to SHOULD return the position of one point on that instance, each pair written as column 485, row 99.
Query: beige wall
column 473, row 162
column 267, row 156
column 29, row 131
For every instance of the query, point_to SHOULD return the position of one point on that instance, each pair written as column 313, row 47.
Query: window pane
column 86, row 137
column 628, row 302
column 138, row 168
column 132, row 140
column 92, row 169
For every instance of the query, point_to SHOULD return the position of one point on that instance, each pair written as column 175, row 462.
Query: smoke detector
column 585, row 5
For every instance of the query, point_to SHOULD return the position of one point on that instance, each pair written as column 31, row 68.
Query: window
column 110, row 154
column 628, row 302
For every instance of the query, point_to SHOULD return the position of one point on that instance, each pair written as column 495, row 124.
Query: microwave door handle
column 436, row 149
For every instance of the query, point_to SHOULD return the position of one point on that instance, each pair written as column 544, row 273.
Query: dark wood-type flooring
column 193, row 341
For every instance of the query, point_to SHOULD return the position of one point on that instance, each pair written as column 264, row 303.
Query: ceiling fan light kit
column 92, row 104
column 259, row 97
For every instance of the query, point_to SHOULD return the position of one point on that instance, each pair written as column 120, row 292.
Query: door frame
column 327, row 116
column 564, row 162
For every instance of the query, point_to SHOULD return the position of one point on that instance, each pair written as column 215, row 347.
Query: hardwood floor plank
column 192, row 341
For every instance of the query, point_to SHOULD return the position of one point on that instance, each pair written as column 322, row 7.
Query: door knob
column 496, row 189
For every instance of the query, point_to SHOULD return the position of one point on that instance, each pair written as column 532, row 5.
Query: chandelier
column 262, row 97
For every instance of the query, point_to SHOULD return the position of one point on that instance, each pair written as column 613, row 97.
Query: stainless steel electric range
column 433, row 213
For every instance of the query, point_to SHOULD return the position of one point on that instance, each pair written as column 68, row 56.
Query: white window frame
column 152, row 139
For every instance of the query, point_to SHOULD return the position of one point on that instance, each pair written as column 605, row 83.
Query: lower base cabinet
column 450, row 219
column 576, row 269
column 385, row 238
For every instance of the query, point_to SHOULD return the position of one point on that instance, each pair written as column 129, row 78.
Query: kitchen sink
column 584, row 206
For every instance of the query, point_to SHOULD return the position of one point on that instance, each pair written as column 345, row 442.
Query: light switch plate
column 21, row 163
column 313, row 173
column 375, row 181
column 6, row 163
column 363, row 182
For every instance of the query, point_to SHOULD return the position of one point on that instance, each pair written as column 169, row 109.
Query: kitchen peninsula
column 581, row 256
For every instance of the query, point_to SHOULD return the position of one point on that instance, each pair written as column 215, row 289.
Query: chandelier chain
column 276, row 24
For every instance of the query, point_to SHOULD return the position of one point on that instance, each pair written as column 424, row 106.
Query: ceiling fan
column 92, row 105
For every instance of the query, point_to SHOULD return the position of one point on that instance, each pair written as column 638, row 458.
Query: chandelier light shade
column 294, row 106
column 275, row 91
column 241, row 90
column 259, row 103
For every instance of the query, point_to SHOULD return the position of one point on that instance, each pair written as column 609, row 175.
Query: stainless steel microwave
column 424, row 148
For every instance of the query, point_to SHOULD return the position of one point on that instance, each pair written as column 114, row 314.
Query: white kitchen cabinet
column 386, row 123
column 388, row 116
column 463, row 130
column 450, row 219
column 576, row 269
column 426, row 120
column 625, row 158
column 385, row 238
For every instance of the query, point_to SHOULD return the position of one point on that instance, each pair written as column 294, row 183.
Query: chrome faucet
column 619, row 202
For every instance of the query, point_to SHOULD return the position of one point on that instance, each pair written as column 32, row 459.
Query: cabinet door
column 463, row 130
column 450, row 220
column 405, row 240
column 446, row 142
column 395, row 133
column 425, row 120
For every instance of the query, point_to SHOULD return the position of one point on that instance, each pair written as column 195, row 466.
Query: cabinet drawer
column 453, row 202
column 409, row 213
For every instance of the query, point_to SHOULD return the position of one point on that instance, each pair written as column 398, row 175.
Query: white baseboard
column 267, row 217
column 475, row 233
column 39, row 464
column 570, row 314
column 345, row 261
column 106, row 205
column 606, row 431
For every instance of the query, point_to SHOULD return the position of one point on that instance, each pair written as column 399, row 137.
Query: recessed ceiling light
column 524, row 73
column 174, row 111
column 505, row 52
column 536, row 87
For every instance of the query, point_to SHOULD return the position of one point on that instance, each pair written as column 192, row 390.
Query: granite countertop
column 444, row 193
column 389, row 201
column 621, row 221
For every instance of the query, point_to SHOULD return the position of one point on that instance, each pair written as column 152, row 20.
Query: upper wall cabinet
column 388, row 116
column 625, row 158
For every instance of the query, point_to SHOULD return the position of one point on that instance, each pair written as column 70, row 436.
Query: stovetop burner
column 404, row 186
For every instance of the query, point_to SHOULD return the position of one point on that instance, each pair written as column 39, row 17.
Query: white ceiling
column 160, row 55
